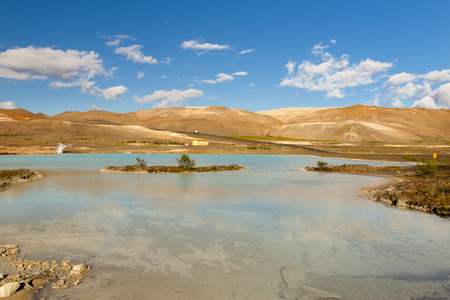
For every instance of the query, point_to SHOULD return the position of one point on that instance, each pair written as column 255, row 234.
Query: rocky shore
column 20, row 276
column 8, row 178
column 412, row 187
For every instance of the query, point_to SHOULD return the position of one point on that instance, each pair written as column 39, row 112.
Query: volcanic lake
column 269, row 232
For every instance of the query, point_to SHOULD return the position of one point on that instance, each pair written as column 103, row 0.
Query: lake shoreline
column 407, row 188
column 10, row 178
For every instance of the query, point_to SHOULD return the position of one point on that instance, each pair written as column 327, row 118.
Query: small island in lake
column 424, row 187
column 185, row 164
column 8, row 178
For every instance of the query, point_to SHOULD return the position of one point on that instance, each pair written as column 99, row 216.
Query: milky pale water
column 224, row 235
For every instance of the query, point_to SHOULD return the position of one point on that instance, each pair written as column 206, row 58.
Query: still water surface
column 223, row 235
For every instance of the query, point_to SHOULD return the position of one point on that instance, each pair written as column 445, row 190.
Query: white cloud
column 401, row 78
column 336, row 94
column 222, row 77
column 7, row 105
column 166, row 60
column 95, row 106
column 202, row 47
column 242, row 73
column 426, row 102
column 70, row 68
column 169, row 98
column 117, row 40
column 11, row 74
column 135, row 54
column 442, row 95
column 140, row 74
column 246, row 51
column 290, row 66
column 89, row 87
column 114, row 92
column 41, row 63
column 438, row 76
column 420, row 88
column 333, row 41
column 332, row 74
column 397, row 103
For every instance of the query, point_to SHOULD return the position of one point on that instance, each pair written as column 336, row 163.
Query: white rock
column 9, row 289
column 77, row 269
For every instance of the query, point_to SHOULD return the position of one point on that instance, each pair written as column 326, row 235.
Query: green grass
column 271, row 138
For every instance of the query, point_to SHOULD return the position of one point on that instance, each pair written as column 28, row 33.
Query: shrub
column 428, row 169
column 141, row 162
column 185, row 162
column 322, row 164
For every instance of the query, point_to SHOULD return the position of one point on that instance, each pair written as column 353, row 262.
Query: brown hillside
column 209, row 120
column 361, row 122
column 50, row 133
column 19, row 114
column 355, row 123
column 217, row 120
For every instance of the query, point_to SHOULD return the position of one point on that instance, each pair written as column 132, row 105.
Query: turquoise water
column 223, row 235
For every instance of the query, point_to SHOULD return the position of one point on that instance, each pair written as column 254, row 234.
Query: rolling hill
column 354, row 123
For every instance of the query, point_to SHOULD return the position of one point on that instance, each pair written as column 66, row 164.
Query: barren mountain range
column 354, row 123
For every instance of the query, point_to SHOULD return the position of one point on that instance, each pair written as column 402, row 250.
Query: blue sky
column 123, row 56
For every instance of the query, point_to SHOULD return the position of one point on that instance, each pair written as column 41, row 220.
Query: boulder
column 9, row 289
column 78, row 269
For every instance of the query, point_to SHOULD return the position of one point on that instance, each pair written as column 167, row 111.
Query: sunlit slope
column 18, row 114
column 209, row 120
column 360, row 122
column 355, row 123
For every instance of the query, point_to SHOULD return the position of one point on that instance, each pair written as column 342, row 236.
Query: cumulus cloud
column 442, row 95
column 164, row 98
column 7, row 105
column 425, row 102
column 438, row 76
column 202, row 48
column 246, row 51
column 333, row 41
column 114, row 92
column 140, row 74
column 67, row 68
column 430, row 90
column 42, row 63
column 222, row 77
column 332, row 74
column 89, row 87
column 135, row 54
column 401, row 78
